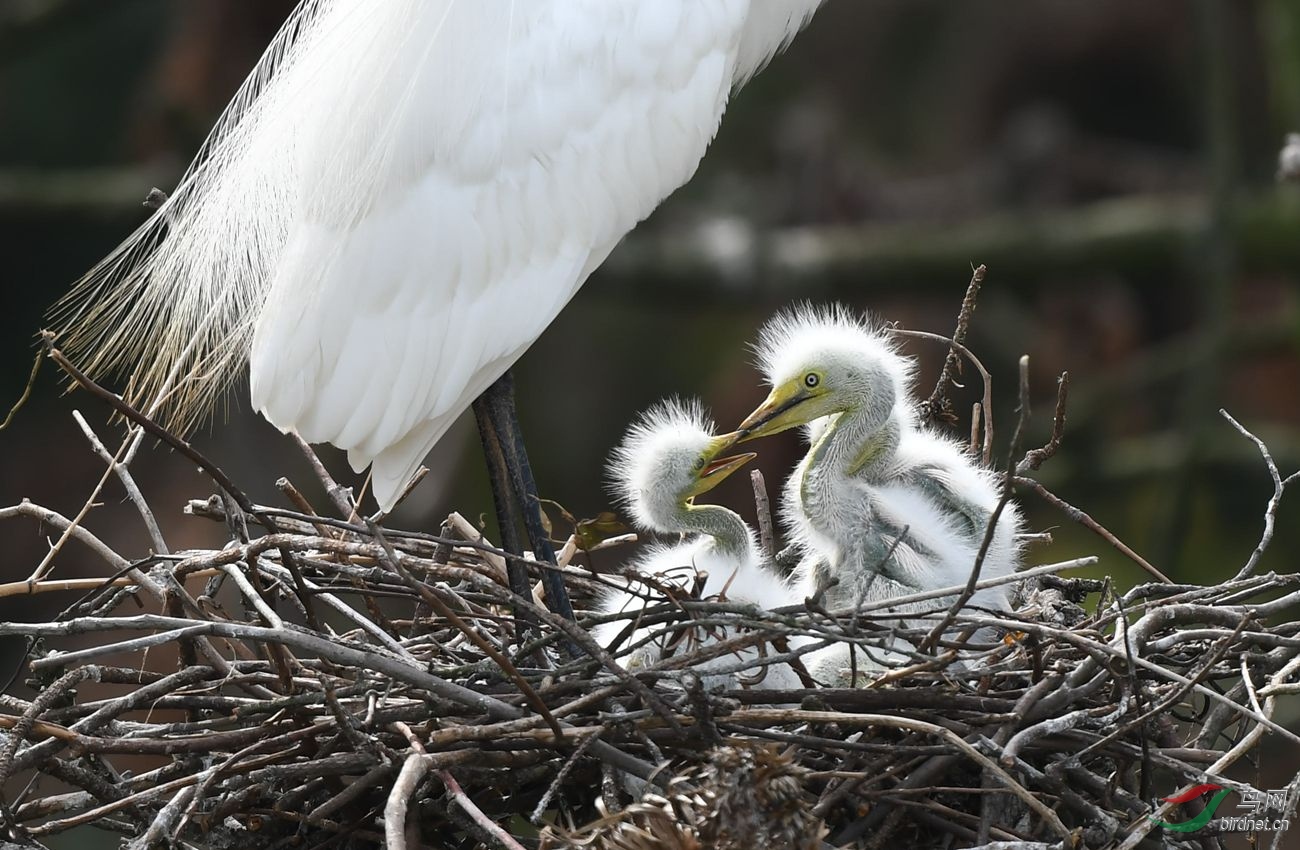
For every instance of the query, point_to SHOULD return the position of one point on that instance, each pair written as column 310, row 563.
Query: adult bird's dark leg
column 502, row 500
column 513, row 489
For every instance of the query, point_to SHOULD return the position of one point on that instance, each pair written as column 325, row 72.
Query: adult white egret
column 400, row 199
column 669, row 457
column 879, row 503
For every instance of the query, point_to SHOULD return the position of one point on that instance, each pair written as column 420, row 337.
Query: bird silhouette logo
column 1191, row 794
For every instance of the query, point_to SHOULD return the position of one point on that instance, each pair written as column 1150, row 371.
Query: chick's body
column 916, row 523
column 667, row 459
column 880, row 506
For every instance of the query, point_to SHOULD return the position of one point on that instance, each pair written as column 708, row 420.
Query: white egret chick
column 668, row 458
column 880, row 503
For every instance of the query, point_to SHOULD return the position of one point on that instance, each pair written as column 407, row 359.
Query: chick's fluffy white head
column 846, row 354
column 653, row 470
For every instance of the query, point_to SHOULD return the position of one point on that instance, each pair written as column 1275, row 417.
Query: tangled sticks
column 325, row 682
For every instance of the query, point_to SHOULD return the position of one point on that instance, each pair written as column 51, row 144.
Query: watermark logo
column 1206, row 814
column 1257, row 803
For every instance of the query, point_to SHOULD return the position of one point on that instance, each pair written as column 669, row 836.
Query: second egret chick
column 669, row 457
column 880, row 504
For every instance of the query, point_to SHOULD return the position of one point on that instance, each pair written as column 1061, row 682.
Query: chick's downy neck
column 853, row 448
column 728, row 532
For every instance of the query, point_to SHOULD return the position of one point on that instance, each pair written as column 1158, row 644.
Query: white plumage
column 403, row 196
column 880, row 503
column 668, row 457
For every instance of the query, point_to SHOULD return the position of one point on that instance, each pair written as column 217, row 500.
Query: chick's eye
column 811, row 380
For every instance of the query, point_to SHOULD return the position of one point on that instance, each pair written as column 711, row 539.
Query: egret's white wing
column 401, row 199
column 458, row 186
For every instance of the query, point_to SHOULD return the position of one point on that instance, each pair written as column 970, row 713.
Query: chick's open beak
column 778, row 412
column 716, row 469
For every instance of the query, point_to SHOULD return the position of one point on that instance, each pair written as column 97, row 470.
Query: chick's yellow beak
column 780, row 411
column 716, row 469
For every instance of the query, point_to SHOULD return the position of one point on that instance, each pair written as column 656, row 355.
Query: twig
column 161, row 827
column 461, row 799
column 986, row 454
column 184, row 448
column 857, row 720
column 150, row 427
column 1141, row 662
column 763, row 507
column 938, row 406
column 1035, row 458
column 254, row 598
column 1092, row 525
column 27, row 393
column 1008, row 491
column 340, row 496
column 290, row 637
column 431, row 599
column 69, row 528
column 1270, row 512
column 293, row 494
column 377, row 774
column 128, row 483
column 539, row 811
column 1216, row 654
column 413, row 771
column 982, row 584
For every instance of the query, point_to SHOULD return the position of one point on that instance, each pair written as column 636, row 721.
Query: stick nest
column 266, row 711
column 328, row 683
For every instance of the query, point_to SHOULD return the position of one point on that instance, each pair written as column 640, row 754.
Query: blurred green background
column 1112, row 162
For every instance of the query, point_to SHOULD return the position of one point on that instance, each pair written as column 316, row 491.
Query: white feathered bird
column 403, row 196
column 668, row 458
column 880, row 503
